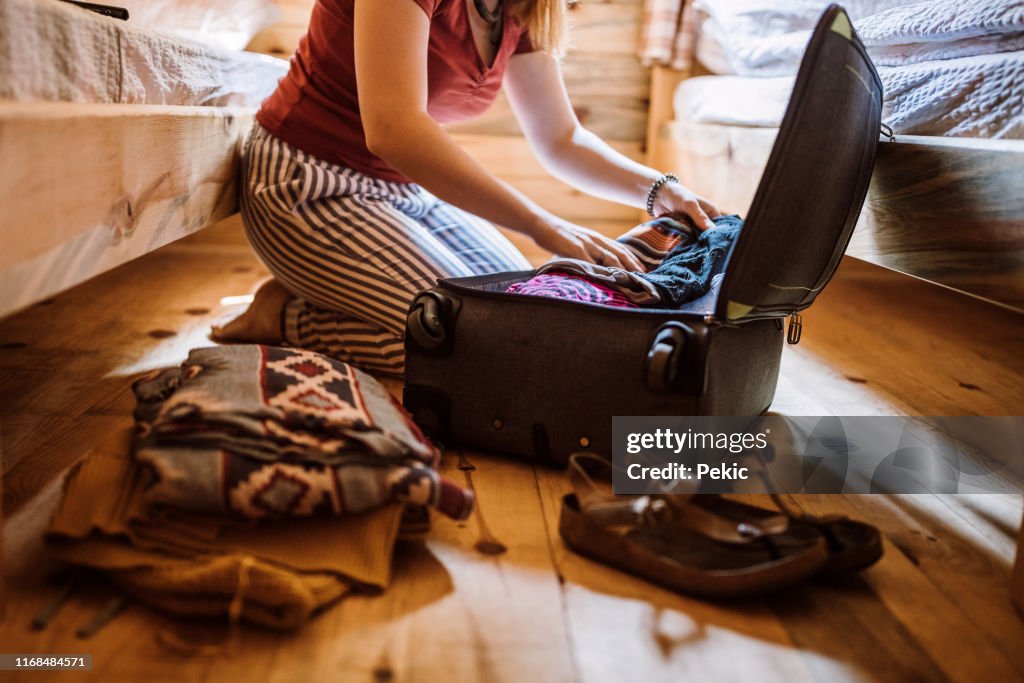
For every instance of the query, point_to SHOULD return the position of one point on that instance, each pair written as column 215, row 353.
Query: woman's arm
column 391, row 38
column 572, row 153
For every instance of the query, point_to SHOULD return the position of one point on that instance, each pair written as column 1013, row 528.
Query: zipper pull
column 888, row 132
column 796, row 328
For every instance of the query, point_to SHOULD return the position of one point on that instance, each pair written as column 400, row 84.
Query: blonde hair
column 546, row 21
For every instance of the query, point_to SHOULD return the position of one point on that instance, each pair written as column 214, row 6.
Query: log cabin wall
column 608, row 85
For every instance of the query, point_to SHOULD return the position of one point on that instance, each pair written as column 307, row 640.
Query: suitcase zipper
column 888, row 132
column 796, row 328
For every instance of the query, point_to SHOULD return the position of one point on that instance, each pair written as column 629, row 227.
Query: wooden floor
column 935, row 608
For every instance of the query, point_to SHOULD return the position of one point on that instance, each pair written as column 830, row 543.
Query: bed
column 947, row 198
column 115, row 138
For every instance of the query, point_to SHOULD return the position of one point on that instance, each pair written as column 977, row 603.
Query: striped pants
column 355, row 250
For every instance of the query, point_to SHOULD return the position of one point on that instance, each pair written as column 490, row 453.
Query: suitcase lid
column 813, row 187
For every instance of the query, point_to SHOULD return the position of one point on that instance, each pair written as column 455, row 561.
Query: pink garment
column 565, row 286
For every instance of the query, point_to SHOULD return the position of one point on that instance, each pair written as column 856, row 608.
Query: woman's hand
column 573, row 241
column 675, row 200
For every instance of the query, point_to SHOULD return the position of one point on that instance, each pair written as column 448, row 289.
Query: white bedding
column 948, row 67
column 767, row 37
column 224, row 24
column 54, row 51
column 978, row 96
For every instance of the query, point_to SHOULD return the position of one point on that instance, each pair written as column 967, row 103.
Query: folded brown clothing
column 629, row 284
column 280, row 572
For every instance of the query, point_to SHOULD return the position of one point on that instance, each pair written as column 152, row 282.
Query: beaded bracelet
column 655, row 186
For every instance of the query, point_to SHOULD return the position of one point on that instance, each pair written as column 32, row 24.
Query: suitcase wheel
column 425, row 323
column 428, row 421
column 663, row 359
column 430, row 409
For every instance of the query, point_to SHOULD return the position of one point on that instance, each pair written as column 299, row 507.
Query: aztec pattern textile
column 262, row 431
column 564, row 286
column 668, row 36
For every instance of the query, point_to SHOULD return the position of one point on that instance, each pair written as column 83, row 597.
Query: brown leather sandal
column 685, row 547
column 852, row 545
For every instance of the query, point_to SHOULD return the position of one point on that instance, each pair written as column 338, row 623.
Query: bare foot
column 261, row 322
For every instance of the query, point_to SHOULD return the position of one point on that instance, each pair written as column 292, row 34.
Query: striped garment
column 571, row 287
column 355, row 250
column 652, row 241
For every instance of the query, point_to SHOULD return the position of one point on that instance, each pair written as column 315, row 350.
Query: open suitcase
column 542, row 378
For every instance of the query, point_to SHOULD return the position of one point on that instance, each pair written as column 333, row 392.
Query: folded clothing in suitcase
column 687, row 276
column 542, row 377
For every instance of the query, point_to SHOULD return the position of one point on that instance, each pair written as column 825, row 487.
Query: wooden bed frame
column 87, row 187
column 947, row 210
column 90, row 186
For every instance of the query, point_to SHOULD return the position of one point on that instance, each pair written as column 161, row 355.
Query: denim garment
column 687, row 271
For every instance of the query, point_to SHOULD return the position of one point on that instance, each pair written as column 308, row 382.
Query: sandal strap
column 585, row 468
column 805, row 517
column 767, row 525
column 657, row 510
column 701, row 520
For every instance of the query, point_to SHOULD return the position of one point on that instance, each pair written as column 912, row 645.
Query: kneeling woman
column 356, row 198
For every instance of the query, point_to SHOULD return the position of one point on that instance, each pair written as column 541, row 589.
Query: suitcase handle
column 678, row 346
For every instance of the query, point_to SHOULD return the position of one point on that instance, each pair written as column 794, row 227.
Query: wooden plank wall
column 608, row 85
column 282, row 38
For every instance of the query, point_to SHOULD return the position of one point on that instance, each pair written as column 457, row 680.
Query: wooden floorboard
column 623, row 628
column 934, row 584
column 936, row 607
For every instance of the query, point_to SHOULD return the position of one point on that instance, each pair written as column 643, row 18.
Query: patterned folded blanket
column 270, row 432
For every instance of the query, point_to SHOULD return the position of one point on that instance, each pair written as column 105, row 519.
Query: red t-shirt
column 315, row 106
